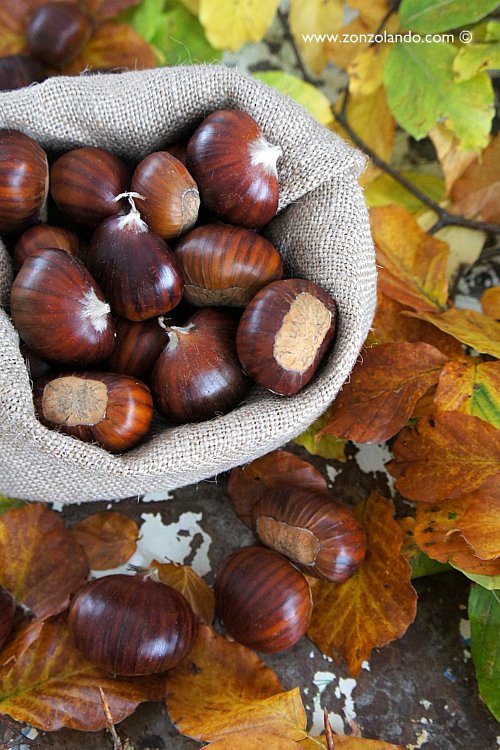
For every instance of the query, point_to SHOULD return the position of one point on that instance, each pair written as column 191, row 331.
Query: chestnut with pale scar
column 73, row 401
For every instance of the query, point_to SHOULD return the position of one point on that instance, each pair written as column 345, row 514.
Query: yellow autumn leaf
column 366, row 71
column 453, row 160
column 316, row 17
column 490, row 302
column 468, row 326
column 472, row 388
column 465, row 244
column 229, row 24
column 307, row 95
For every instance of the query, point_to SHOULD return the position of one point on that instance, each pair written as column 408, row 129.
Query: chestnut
column 137, row 347
column 18, row 71
column 7, row 614
column 179, row 150
column 115, row 411
column 85, row 182
column 321, row 537
column 198, row 376
column 167, row 196
column 284, row 333
column 234, row 167
column 59, row 311
column 137, row 271
column 57, row 31
column 132, row 625
column 43, row 236
column 226, row 265
column 24, row 181
column 263, row 600
column 37, row 367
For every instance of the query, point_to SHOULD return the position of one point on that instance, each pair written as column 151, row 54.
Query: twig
column 330, row 742
column 445, row 218
column 393, row 7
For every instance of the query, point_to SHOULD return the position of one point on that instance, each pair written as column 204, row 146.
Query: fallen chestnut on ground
column 115, row 411
column 321, row 537
column 132, row 625
column 284, row 333
column 263, row 600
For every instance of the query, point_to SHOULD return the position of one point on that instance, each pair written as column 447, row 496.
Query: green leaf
column 145, row 18
column 7, row 503
column 486, row 582
column 473, row 58
column 493, row 31
column 181, row 39
column 428, row 16
column 385, row 191
column 421, row 566
column 422, row 90
column 484, row 616
column 327, row 446
column 311, row 98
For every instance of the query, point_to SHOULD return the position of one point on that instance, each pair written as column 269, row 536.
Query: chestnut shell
column 24, row 176
column 321, row 537
column 226, row 265
column 137, row 347
column 284, row 333
column 132, row 625
column 57, row 31
column 43, row 236
column 263, row 600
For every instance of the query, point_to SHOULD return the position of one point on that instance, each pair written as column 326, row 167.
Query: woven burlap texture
column 322, row 231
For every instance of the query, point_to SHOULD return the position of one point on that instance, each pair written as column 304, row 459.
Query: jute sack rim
column 172, row 458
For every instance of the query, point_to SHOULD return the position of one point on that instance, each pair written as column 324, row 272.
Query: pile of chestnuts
column 115, row 322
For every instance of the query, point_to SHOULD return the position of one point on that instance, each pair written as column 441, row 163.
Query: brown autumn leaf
column 390, row 324
column 223, row 687
column 183, row 578
column 470, row 387
column 13, row 14
column 480, row 522
column 490, row 302
column 414, row 264
column 252, row 740
column 347, row 742
column 113, row 46
column 109, row 539
column 52, row 686
column 445, row 457
column 468, row 326
column 377, row 604
column 476, row 194
column 371, row 13
column 41, row 563
column 105, row 10
column 382, row 390
column 247, row 484
column 24, row 635
column 437, row 534
column 454, row 160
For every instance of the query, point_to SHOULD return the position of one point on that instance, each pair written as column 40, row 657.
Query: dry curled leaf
column 223, row 687
column 382, row 390
column 377, row 604
column 445, row 456
column 454, row 160
column 52, row 686
column 476, row 193
column 413, row 264
column 41, row 563
column 108, row 538
column 247, row 484
column 183, row 578
column 480, row 523
column 468, row 326
column 471, row 387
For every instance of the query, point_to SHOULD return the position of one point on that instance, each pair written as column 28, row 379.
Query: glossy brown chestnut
column 321, row 537
column 198, row 375
column 284, row 333
column 7, row 614
column 17, row 71
column 42, row 236
column 112, row 410
column 137, row 347
column 84, row 183
column 57, row 31
column 137, row 271
column 59, row 310
column 235, row 168
column 263, row 600
column 132, row 625
column 169, row 198
column 179, row 150
column 226, row 265
column 24, row 181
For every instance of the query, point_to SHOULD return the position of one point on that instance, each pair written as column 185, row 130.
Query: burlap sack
column 322, row 232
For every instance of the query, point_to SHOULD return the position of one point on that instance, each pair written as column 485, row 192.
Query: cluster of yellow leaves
column 113, row 45
column 222, row 693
